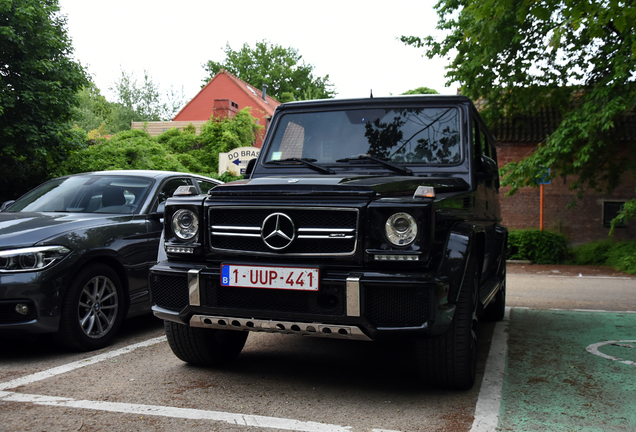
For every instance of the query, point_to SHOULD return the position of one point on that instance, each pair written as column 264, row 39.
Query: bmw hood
column 367, row 186
column 18, row 229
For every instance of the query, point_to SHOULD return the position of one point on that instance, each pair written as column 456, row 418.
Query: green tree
column 96, row 113
column 421, row 90
column 93, row 109
column 284, row 71
column 143, row 101
column 577, row 57
column 39, row 83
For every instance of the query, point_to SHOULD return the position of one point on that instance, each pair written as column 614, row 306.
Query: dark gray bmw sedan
column 75, row 253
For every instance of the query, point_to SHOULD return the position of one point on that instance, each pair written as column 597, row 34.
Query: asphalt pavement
column 564, row 360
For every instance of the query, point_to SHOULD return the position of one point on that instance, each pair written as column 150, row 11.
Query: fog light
column 175, row 249
column 397, row 258
column 22, row 309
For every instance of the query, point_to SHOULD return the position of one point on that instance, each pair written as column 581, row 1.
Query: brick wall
column 580, row 224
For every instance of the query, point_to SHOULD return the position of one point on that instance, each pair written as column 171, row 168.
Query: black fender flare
column 463, row 239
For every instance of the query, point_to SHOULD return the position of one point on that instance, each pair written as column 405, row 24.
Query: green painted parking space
column 570, row 371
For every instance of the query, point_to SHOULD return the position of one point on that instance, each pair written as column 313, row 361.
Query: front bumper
column 365, row 304
column 41, row 292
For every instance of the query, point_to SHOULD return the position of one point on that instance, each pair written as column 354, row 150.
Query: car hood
column 19, row 229
column 369, row 186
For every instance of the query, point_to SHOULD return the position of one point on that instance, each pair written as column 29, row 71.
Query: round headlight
column 185, row 224
column 401, row 229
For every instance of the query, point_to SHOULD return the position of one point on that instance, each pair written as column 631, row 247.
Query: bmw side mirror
column 6, row 205
column 158, row 214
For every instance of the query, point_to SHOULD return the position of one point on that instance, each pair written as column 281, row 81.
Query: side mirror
column 6, row 205
column 158, row 214
column 249, row 168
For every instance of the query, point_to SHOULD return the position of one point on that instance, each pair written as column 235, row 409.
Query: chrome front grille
column 304, row 231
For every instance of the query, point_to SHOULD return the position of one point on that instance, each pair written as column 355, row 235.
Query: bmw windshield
column 426, row 136
column 85, row 194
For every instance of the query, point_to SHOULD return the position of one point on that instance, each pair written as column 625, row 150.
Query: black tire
column 204, row 347
column 92, row 309
column 450, row 360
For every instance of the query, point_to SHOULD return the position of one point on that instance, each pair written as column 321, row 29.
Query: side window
column 168, row 189
column 485, row 145
column 489, row 153
column 205, row 186
column 475, row 144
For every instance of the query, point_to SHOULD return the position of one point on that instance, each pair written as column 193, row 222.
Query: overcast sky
column 354, row 42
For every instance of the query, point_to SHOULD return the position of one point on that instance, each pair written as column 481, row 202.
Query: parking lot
column 547, row 368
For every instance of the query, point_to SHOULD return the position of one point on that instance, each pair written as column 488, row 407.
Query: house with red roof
column 225, row 95
column 222, row 97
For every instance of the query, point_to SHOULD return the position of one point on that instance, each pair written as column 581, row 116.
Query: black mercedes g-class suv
column 361, row 219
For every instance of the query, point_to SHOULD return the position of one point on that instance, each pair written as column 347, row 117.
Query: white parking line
column 154, row 410
column 586, row 310
column 78, row 364
column 172, row 412
column 489, row 399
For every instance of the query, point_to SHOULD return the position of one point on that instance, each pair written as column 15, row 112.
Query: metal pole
column 541, row 209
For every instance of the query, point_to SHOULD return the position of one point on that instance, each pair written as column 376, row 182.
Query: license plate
column 291, row 278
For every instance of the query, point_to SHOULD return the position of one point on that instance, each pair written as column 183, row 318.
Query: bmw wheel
column 92, row 310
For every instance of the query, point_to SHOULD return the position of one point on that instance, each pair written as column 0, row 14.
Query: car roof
column 141, row 173
column 372, row 101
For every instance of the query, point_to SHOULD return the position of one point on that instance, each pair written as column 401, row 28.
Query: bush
column 619, row 255
column 594, row 253
column 622, row 257
column 540, row 247
column 172, row 150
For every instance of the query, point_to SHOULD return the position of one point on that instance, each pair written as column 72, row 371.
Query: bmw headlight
column 31, row 258
column 185, row 224
column 400, row 229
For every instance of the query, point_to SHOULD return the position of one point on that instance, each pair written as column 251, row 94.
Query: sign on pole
column 236, row 160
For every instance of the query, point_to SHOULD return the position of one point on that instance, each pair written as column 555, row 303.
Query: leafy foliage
column 93, row 109
column 133, row 149
column 144, row 100
column 38, row 90
column 421, row 90
column 622, row 257
column 627, row 213
column 619, row 255
column 284, row 71
column 134, row 102
column 173, row 150
column 593, row 253
column 577, row 57
column 540, row 247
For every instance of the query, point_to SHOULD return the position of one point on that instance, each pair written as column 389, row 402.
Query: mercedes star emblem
column 278, row 231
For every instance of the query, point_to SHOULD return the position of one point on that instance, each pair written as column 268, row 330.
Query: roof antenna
column 371, row 93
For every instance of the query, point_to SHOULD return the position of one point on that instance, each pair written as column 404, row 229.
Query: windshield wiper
column 309, row 162
column 392, row 166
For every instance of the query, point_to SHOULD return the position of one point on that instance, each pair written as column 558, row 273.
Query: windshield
column 85, row 194
column 399, row 135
